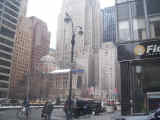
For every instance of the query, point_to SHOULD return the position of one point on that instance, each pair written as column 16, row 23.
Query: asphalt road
column 57, row 114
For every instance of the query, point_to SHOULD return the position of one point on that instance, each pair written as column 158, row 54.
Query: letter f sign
column 149, row 48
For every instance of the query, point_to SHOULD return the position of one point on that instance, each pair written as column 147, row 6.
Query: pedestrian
column 47, row 111
column 66, row 107
column 26, row 107
column 26, row 103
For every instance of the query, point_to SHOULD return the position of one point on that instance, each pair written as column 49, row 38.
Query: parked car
column 83, row 107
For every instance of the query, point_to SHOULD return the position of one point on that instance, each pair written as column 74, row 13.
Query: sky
column 48, row 10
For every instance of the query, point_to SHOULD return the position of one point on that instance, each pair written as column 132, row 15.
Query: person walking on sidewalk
column 47, row 111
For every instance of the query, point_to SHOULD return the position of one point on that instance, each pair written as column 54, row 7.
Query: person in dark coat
column 47, row 111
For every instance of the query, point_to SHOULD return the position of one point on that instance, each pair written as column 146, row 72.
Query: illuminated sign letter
column 158, row 49
column 149, row 48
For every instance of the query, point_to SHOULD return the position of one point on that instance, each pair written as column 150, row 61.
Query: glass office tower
column 138, row 43
column 9, row 11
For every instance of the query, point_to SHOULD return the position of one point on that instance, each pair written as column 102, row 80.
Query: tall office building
column 109, row 85
column 31, row 44
column 107, row 70
column 109, row 24
column 21, row 60
column 138, row 23
column 24, row 5
column 41, row 41
column 9, row 18
column 84, row 13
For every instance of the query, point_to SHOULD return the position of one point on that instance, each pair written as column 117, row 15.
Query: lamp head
column 80, row 31
column 67, row 18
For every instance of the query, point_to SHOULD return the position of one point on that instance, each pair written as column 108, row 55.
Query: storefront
column 140, row 75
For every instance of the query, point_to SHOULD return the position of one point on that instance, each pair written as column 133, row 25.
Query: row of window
column 3, row 85
column 140, row 32
column 6, row 63
column 15, row 2
column 4, row 70
column 63, row 83
column 9, row 24
column 12, row 6
column 5, row 41
column 6, row 32
column 10, row 18
column 6, row 56
column 136, row 29
column 4, row 48
column 11, row 12
column 5, row 78
column 137, row 9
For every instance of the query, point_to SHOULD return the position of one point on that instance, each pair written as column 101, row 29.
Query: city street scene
column 79, row 59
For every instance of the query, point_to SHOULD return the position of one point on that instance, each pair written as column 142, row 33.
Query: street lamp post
column 68, row 19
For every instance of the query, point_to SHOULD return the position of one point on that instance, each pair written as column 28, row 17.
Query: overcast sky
column 48, row 10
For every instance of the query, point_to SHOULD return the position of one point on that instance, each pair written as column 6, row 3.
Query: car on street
column 85, row 106
column 154, row 115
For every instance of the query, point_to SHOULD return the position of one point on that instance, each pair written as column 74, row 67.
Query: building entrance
column 147, row 80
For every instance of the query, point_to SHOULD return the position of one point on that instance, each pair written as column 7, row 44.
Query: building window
column 79, row 82
column 12, row 6
column 3, row 85
column 123, row 11
column 10, row 18
column 121, row 1
column 9, row 24
column 65, row 83
column 15, row 2
column 2, row 62
column 157, row 28
column 4, row 70
column 124, row 34
column 6, row 32
column 5, row 78
column 139, row 29
column 56, row 83
column 153, row 6
column 4, row 48
column 3, row 55
column 11, row 12
column 5, row 41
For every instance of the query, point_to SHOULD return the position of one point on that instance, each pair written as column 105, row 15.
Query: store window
column 139, row 29
column 124, row 33
column 146, row 80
